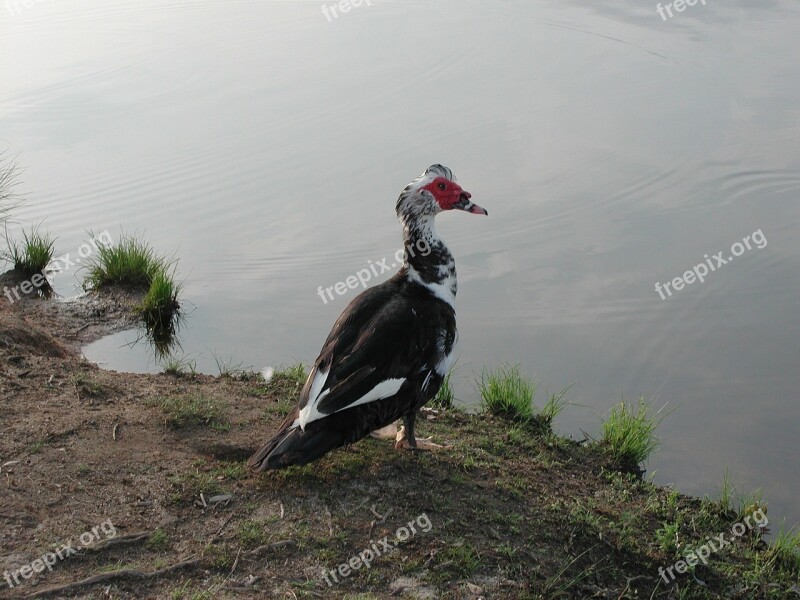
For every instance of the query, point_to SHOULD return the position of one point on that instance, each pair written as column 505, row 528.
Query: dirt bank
column 157, row 460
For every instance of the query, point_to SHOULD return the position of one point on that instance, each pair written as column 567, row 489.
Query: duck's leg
column 406, row 440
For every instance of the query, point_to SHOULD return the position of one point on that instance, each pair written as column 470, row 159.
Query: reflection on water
column 266, row 146
column 162, row 334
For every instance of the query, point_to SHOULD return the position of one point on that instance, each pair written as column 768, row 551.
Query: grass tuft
column 295, row 374
column 131, row 262
column 784, row 551
column 507, row 393
column 33, row 254
column 630, row 432
column 160, row 303
column 179, row 366
column 555, row 404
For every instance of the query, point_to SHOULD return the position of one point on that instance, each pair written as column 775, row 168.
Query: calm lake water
column 265, row 144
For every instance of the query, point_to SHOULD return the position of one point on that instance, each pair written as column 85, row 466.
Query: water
column 265, row 146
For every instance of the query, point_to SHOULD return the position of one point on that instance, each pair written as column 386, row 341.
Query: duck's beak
column 464, row 203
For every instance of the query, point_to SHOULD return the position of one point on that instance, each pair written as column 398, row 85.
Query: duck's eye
column 442, row 186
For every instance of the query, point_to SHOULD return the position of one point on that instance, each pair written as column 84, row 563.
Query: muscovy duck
column 390, row 349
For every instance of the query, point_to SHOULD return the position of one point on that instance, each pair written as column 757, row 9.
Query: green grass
column 158, row 540
column 161, row 301
column 726, row 492
column 555, row 404
column 133, row 263
column 731, row 501
column 130, row 262
column 251, row 534
column 784, row 551
column 505, row 392
column 33, row 253
column 629, row 432
column 463, row 558
column 296, row 374
column 179, row 366
column 193, row 410
column 8, row 180
column 444, row 397
column 227, row 368
column 667, row 538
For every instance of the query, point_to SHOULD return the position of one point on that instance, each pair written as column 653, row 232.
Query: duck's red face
column 450, row 196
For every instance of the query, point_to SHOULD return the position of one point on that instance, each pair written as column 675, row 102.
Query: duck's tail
column 293, row 446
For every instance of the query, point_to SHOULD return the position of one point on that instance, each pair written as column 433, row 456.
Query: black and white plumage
column 390, row 349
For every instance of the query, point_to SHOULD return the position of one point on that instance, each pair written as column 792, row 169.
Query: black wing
column 383, row 334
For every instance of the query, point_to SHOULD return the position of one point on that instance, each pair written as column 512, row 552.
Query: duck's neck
column 427, row 260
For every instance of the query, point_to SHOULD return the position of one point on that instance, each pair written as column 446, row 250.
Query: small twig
column 82, row 328
column 223, row 526
column 114, row 576
column 433, row 553
column 272, row 546
column 330, row 520
column 123, row 540
column 224, row 581
column 381, row 518
column 281, row 510
column 114, row 431
column 443, row 565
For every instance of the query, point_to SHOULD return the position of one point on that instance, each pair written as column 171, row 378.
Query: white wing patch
column 384, row 389
column 309, row 412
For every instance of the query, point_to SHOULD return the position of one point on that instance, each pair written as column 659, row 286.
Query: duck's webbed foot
column 385, row 433
column 406, row 440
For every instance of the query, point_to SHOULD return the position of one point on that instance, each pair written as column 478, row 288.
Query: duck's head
column 432, row 192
